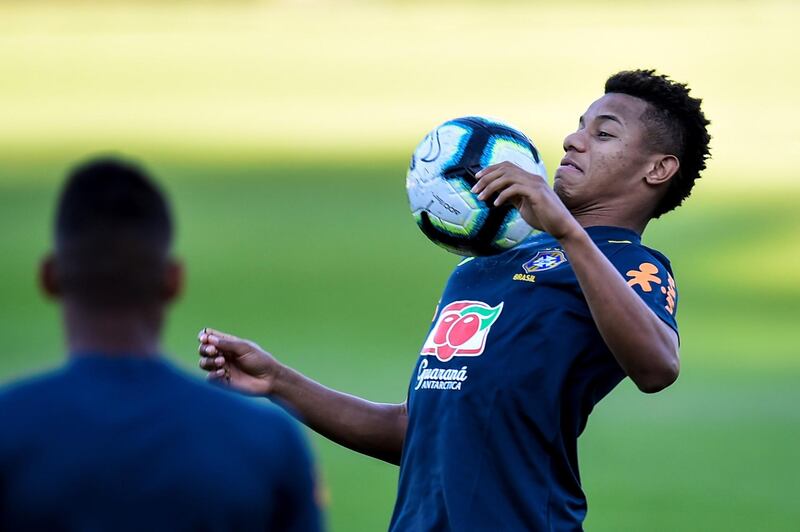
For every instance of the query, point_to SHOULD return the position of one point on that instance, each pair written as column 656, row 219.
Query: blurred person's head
column 111, row 259
column 639, row 148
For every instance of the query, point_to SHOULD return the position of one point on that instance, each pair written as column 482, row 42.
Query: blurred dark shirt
column 129, row 443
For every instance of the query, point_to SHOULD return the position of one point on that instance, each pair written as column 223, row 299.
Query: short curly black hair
column 676, row 126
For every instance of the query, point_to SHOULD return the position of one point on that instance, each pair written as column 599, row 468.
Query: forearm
column 645, row 347
column 374, row 429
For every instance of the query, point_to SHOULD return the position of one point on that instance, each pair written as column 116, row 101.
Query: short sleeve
column 649, row 274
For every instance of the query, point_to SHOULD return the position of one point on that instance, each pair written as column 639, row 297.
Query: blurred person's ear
column 173, row 281
column 48, row 277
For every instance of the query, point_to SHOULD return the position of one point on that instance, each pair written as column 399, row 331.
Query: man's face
column 606, row 157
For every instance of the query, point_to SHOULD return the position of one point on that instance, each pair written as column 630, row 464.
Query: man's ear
column 173, row 280
column 48, row 277
column 662, row 169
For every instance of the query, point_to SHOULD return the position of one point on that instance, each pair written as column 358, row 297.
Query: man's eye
column 604, row 134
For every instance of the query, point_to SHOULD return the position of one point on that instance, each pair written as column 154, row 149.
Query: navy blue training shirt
column 504, row 384
column 129, row 443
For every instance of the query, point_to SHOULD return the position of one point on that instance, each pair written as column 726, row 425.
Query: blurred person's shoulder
column 255, row 421
column 216, row 398
column 28, row 389
column 260, row 439
column 29, row 403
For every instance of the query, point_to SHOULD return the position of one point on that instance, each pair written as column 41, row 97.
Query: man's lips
column 567, row 163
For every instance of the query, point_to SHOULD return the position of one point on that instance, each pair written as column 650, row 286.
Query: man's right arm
column 374, row 429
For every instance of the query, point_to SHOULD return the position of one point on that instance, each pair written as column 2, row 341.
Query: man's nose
column 575, row 141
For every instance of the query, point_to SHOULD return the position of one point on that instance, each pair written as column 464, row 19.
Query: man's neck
column 112, row 331
column 609, row 217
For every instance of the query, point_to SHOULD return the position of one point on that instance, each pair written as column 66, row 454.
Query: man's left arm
column 644, row 346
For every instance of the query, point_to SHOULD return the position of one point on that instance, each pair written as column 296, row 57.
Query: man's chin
column 563, row 191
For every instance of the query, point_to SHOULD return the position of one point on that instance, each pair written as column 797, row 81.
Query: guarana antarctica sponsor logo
column 460, row 331
column 439, row 378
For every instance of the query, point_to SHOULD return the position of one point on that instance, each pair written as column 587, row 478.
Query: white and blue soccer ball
column 442, row 172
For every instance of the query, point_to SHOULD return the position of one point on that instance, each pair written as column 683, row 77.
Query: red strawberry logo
column 461, row 330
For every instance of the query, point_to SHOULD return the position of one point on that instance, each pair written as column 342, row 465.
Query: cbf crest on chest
column 546, row 259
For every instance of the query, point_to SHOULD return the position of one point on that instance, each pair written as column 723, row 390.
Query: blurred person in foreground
column 118, row 439
column 487, row 438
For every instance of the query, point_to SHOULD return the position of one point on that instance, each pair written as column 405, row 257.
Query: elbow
column 660, row 377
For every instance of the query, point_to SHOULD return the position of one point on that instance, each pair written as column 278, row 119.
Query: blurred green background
column 282, row 131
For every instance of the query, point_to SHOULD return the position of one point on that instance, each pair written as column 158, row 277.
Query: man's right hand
column 238, row 363
column 374, row 429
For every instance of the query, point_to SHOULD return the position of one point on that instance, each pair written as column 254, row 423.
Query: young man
column 489, row 441
column 117, row 439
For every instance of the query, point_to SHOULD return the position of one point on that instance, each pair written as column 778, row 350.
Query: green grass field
column 282, row 138
column 323, row 265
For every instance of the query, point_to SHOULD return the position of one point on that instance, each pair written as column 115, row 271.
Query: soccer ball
column 442, row 172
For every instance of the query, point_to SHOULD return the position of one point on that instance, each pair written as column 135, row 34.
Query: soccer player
column 525, row 343
column 118, row 439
